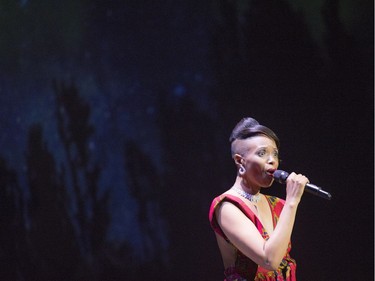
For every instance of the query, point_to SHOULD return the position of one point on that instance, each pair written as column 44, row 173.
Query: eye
column 261, row 152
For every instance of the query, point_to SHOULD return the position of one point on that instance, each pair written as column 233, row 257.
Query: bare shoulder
column 229, row 211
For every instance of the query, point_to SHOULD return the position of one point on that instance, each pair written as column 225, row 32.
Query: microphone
column 281, row 176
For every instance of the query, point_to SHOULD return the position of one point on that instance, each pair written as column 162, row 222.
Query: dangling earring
column 241, row 170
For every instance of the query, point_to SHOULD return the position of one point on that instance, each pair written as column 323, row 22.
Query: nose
column 271, row 159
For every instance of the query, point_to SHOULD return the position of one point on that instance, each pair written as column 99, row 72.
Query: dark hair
column 249, row 127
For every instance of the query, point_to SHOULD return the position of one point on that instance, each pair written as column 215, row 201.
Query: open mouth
column 270, row 172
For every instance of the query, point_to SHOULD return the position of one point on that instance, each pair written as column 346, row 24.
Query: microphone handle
column 316, row 190
column 281, row 177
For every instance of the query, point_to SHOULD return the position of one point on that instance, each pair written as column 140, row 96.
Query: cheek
column 256, row 165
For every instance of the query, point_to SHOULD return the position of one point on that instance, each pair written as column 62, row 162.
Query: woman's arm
column 244, row 235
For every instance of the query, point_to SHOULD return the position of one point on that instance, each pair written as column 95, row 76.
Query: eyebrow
column 266, row 146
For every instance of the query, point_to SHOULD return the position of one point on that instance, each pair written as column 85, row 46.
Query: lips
column 270, row 172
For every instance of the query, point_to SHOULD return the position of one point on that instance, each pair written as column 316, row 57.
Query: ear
column 238, row 159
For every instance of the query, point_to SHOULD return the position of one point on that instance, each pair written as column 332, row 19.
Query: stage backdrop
column 115, row 119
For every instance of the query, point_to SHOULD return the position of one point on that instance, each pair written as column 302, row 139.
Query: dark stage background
column 115, row 119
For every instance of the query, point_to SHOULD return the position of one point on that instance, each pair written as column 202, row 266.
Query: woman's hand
column 295, row 185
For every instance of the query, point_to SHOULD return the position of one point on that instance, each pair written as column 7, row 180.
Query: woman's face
column 260, row 159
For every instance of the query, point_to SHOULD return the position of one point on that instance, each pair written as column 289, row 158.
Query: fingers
column 297, row 179
column 295, row 186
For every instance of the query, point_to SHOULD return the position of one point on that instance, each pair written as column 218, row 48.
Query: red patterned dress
column 245, row 269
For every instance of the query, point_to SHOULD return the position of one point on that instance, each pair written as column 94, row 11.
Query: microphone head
column 280, row 176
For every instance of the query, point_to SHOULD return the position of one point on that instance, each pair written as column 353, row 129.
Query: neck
column 245, row 186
